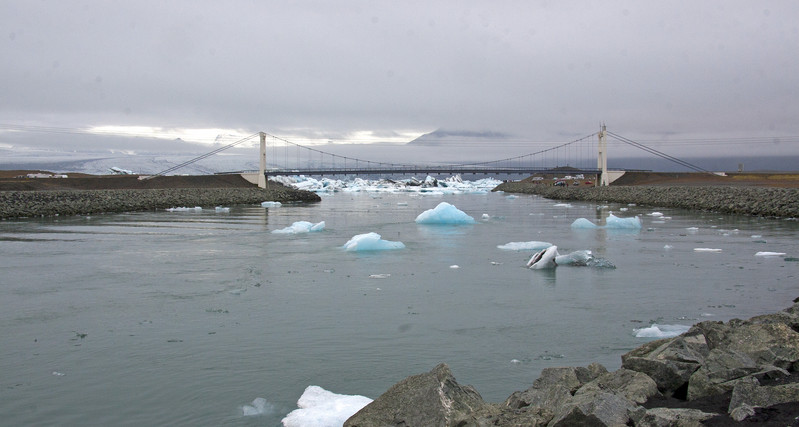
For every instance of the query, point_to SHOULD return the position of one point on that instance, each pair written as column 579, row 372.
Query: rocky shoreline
column 22, row 204
column 715, row 374
column 759, row 201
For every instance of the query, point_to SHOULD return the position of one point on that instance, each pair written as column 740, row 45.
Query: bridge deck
column 428, row 170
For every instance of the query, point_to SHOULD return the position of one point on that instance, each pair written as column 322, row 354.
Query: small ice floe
column 58, row 374
column 692, row 230
column 185, row 209
column 486, row 217
column 511, row 196
column 770, row 254
column 667, row 247
column 583, row 224
column 495, row 263
column 707, row 250
column 380, row 276
column 454, row 266
column 444, row 213
column 562, row 205
column 259, row 406
column 660, row 331
column 301, row 227
column 319, row 407
column 707, row 315
column 524, row 246
column 271, row 204
column 370, row 242
column 402, row 204
column 612, row 222
column 756, row 236
column 657, row 214
column 515, row 361
column 221, row 209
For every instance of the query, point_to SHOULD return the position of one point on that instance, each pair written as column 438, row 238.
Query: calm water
column 182, row 318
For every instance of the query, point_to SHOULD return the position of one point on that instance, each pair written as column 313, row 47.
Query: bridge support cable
column 204, row 156
column 658, row 153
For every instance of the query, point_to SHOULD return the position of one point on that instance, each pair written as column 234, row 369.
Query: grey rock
column 749, row 393
column 594, row 409
column 669, row 417
column 631, row 385
column 670, row 362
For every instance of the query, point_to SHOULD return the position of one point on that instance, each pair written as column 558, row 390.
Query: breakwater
column 759, row 201
column 20, row 204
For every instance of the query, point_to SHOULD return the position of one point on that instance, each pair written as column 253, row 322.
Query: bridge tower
column 262, row 163
column 602, row 158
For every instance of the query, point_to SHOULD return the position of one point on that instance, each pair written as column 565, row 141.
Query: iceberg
column 623, row 223
column 271, row 204
column 301, row 227
column 444, row 213
column 524, row 246
column 584, row 224
column 370, row 242
column 661, row 331
column 319, row 407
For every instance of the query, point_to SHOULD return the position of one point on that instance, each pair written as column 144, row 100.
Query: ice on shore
column 768, row 254
column 660, row 331
column 370, row 242
column 612, row 222
column 524, row 246
column 444, row 213
column 271, row 204
column 259, row 406
column 185, row 209
column 301, row 227
column 319, row 407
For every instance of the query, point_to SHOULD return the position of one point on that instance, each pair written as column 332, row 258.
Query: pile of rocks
column 18, row 204
column 750, row 366
column 761, row 201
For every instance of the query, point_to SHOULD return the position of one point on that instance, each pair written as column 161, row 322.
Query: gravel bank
column 769, row 202
column 19, row 204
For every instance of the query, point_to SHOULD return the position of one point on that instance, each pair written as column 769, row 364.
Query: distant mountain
column 443, row 137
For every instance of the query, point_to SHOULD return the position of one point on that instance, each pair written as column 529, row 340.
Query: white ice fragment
column 402, row 204
column 221, row 209
column 655, row 214
column 667, row 247
column 185, row 209
column 271, row 204
column 623, row 209
column 707, row 314
column 319, row 407
column 486, row 217
column 495, row 263
column 454, row 266
column 767, row 254
column 370, row 242
column 660, row 331
column 692, row 229
column 301, row 227
column 444, row 213
column 524, row 246
column 562, row 205
column 544, row 259
column 515, row 361
column 757, row 236
column 622, row 223
column 380, row 276
column 574, row 258
column 58, row 374
column 707, row 250
column 259, row 406
column 584, row 224
column 511, row 196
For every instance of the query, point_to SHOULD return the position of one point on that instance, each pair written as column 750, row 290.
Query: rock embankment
column 760, row 201
column 715, row 374
column 19, row 204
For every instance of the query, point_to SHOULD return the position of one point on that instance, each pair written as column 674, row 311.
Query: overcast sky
column 360, row 71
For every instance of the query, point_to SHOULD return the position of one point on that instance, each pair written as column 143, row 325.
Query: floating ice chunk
column 319, row 407
column 692, row 229
column 486, row 217
column 626, row 223
column 380, row 276
column 185, row 209
column 511, row 196
column 221, row 209
column 454, row 266
column 524, row 246
column 402, row 204
column 764, row 253
column 574, row 258
column 444, row 213
column 667, row 247
column 371, row 242
column 58, row 374
column 544, row 259
column 707, row 250
column 584, row 224
column 756, row 236
column 562, row 205
column 660, row 331
column 259, row 406
column 301, row 227
column 655, row 214
column 271, row 204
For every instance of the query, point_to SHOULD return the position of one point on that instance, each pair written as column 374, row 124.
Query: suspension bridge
column 586, row 156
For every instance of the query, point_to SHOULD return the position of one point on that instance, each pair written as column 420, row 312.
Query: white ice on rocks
column 370, row 242
column 444, row 213
column 660, row 331
column 524, row 246
column 321, row 408
column 429, row 186
column 301, row 227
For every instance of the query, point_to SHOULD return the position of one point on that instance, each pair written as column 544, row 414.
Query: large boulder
column 749, row 394
column 670, row 362
column 631, row 385
column 429, row 399
column 668, row 417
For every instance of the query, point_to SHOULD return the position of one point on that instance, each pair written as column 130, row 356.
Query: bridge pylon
column 602, row 157
column 262, row 162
